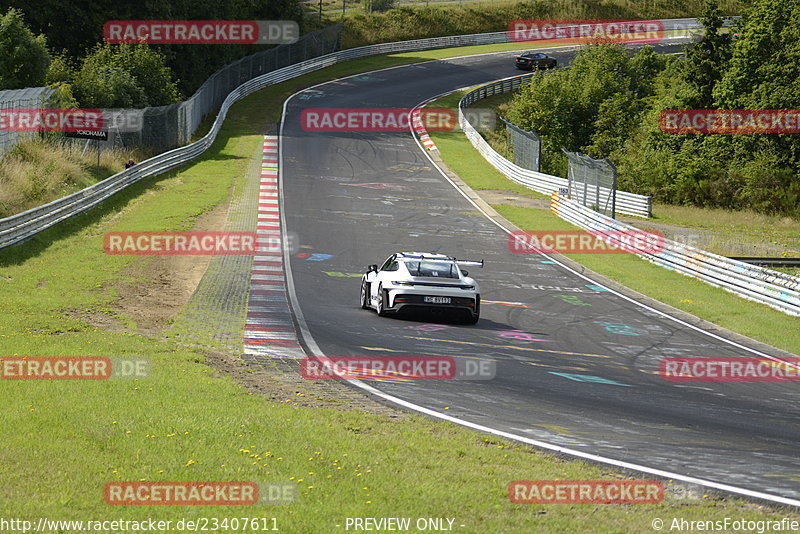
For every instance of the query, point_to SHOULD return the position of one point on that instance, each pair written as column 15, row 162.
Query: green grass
column 39, row 170
column 691, row 295
column 65, row 440
column 780, row 230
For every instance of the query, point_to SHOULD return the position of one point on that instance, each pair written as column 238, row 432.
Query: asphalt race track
column 576, row 363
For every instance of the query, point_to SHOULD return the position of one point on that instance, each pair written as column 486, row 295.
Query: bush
column 377, row 5
column 125, row 76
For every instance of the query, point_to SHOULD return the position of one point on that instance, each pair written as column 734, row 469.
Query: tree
column 590, row 107
column 129, row 75
column 707, row 60
column 23, row 57
column 60, row 70
column 765, row 65
column 78, row 27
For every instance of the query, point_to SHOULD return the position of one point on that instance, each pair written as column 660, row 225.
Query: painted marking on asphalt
column 595, row 287
column 343, row 275
column 502, row 303
column 382, row 349
column 515, row 347
column 317, row 256
column 558, row 429
column 522, row 336
column 620, row 328
column 591, row 378
column 378, row 186
column 556, row 288
column 429, row 327
column 408, row 167
column 557, row 365
column 572, row 299
column 649, row 372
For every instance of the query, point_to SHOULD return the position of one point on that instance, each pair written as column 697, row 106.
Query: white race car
column 421, row 280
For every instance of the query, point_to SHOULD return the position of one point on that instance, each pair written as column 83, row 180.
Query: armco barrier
column 775, row 289
column 24, row 225
column 627, row 203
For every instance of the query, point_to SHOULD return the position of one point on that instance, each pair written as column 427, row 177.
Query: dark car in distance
column 536, row 60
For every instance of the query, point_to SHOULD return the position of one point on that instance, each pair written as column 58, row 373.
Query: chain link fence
column 165, row 127
column 525, row 145
column 593, row 183
column 16, row 99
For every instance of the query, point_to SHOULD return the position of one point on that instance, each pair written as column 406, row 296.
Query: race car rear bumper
column 402, row 301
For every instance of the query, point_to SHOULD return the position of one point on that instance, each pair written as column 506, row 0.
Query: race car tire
column 382, row 298
column 364, row 295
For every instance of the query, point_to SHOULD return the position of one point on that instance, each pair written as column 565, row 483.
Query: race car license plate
column 437, row 300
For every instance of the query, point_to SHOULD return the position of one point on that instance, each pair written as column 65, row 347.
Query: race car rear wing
column 478, row 263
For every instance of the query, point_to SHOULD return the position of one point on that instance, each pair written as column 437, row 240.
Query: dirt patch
column 281, row 383
column 512, row 198
column 155, row 288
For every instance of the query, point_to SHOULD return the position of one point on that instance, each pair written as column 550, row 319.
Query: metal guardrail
column 770, row 262
column 627, row 203
column 22, row 226
column 773, row 288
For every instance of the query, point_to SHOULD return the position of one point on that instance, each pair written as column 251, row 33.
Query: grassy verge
column 712, row 304
column 38, row 171
column 65, row 440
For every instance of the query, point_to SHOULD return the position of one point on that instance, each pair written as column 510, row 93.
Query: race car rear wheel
column 382, row 302
column 364, row 295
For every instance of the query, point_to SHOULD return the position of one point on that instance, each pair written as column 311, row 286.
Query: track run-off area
column 576, row 361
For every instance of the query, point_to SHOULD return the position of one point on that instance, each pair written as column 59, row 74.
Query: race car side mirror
column 465, row 273
column 372, row 267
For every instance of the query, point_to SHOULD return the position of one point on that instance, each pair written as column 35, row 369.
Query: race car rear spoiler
column 478, row 263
